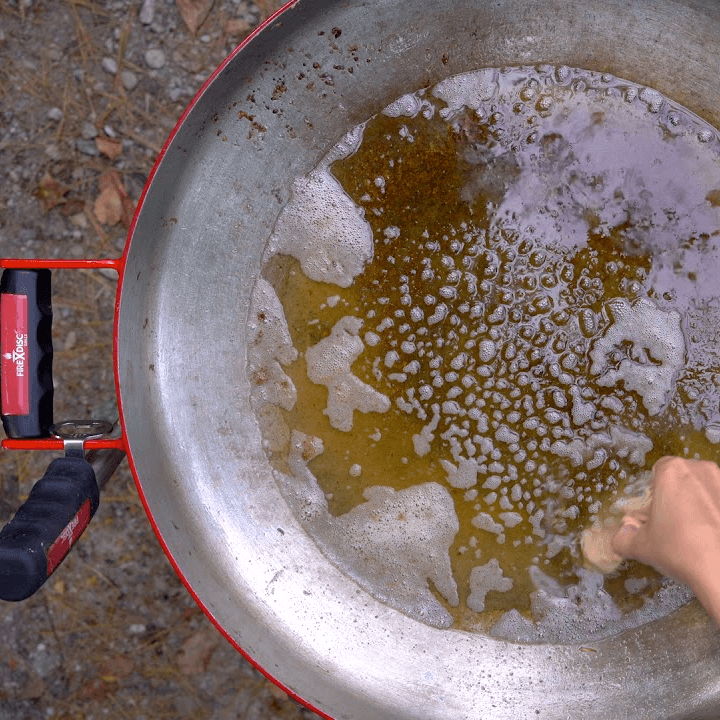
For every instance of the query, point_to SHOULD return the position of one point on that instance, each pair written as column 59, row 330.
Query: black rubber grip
column 46, row 526
column 26, row 386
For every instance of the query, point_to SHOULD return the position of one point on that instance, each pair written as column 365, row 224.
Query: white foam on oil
column 323, row 229
column 408, row 105
column 712, row 433
column 470, row 89
column 422, row 440
column 392, row 545
column 269, row 347
column 463, row 475
column 329, row 363
column 582, row 612
column 621, row 441
column 656, row 350
column 483, row 579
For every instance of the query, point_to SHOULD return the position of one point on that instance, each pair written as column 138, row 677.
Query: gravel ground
column 90, row 90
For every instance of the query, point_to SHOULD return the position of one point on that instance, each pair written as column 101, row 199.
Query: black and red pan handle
column 60, row 504
column 26, row 381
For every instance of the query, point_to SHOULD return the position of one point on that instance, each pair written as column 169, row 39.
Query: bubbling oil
column 532, row 325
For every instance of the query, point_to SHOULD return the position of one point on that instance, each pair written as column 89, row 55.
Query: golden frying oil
column 501, row 231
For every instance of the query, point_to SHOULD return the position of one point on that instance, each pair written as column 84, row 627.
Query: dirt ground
column 89, row 90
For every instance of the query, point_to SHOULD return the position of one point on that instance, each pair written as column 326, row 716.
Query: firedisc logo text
column 18, row 355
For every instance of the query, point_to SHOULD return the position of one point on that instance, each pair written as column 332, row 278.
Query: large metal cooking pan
column 266, row 116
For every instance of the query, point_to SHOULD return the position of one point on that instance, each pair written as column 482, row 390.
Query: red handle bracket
column 57, row 444
column 52, row 264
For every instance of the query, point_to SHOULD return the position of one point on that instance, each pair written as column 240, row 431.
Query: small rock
column 55, row 114
column 53, row 152
column 34, row 688
column 43, row 660
column 109, row 65
column 205, row 39
column 87, row 147
column 129, row 79
column 70, row 341
column 155, row 58
column 147, row 12
column 136, row 628
column 79, row 220
column 89, row 131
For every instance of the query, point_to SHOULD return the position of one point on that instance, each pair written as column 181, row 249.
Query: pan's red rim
column 120, row 268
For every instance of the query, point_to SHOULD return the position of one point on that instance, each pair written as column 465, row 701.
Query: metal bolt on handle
column 74, row 433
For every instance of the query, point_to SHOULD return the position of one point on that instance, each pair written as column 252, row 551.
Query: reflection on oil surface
column 484, row 316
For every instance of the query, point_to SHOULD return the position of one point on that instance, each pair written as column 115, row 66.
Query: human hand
column 678, row 532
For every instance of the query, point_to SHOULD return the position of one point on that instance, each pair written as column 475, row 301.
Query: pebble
column 53, row 151
column 88, row 131
column 129, row 79
column 44, row 660
column 147, row 12
column 109, row 65
column 87, row 147
column 155, row 58
column 70, row 341
column 55, row 114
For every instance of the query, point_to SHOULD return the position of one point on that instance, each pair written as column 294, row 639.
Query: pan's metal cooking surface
column 268, row 116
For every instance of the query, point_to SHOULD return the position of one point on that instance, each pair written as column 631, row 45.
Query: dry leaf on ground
column 194, row 12
column 116, row 668
column 108, row 206
column 268, row 7
column 237, row 26
column 195, row 654
column 128, row 210
column 72, row 206
column 50, row 192
column 109, row 147
column 97, row 689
